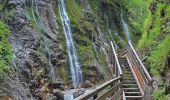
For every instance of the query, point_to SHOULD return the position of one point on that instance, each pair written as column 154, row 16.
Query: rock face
column 38, row 43
column 11, row 88
column 35, row 45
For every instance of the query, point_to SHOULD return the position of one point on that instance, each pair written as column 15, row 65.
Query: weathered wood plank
column 98, row 89
column 117, row 95
column 117, row 62
column 110, row 92
column 140, row 62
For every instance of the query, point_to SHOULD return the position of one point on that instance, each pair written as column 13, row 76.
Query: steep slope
column 155, row 45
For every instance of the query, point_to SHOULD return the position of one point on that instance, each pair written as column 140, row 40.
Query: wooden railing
column 143, row 77
column 111, row 89
column 116, row 64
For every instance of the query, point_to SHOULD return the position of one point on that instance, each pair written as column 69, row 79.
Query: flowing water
column 95, row 50
column 68, row 96
column 76, row 73
column 45, row 43
column 126, row 29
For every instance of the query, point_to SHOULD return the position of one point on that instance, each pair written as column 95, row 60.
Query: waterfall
column 76, row 73
column 126, row 29
column 45, row 42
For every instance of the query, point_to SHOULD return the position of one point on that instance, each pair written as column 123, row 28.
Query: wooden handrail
column 124, row 98
column 142, row 66
column 117, row 62
column 99, row 89
column 136, row 76
column 110, row 91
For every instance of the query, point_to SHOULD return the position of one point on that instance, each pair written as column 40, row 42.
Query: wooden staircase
column 131, row 81
column 130, row 86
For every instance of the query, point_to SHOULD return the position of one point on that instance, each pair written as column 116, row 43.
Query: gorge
column 62, row 49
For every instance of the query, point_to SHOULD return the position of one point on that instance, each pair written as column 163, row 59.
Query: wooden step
column 127, row 72
column 129, row 82
column 133, row 97
column 131, row 85
column 132, row 93
column 128, row 75
column 128, row 79
column 131, row 89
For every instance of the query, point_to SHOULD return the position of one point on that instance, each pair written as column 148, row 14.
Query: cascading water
column 68, row 96
column 126, row 29
column 41, row 25
column 76, row 73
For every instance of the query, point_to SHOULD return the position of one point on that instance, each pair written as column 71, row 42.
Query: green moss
column 86, row 56
column 5, row 48
column 74, row 11
column 85, row 53
column 64, row 74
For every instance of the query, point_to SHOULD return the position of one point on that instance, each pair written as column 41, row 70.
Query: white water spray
column 76, row 73
column 126, row 29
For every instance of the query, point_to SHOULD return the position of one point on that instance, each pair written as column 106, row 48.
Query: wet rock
column 78, row 93
column 56, row 85
column 87, row 84
column 33, row 84
column 17, row 89
column 59, row 94
column 50, row 97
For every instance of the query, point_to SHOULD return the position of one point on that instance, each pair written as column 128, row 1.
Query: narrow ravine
column 75, row 69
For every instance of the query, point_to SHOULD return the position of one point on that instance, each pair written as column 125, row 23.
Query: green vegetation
column 159, row 95
column 84, row 29
column 155, row 42
column 158, row 56
column 94, row 5
column 5, row 48
column 75, row 12
column 135, row 13
column 1, row 6
column 137, row 9
column 154, row 21
column 156, row 38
